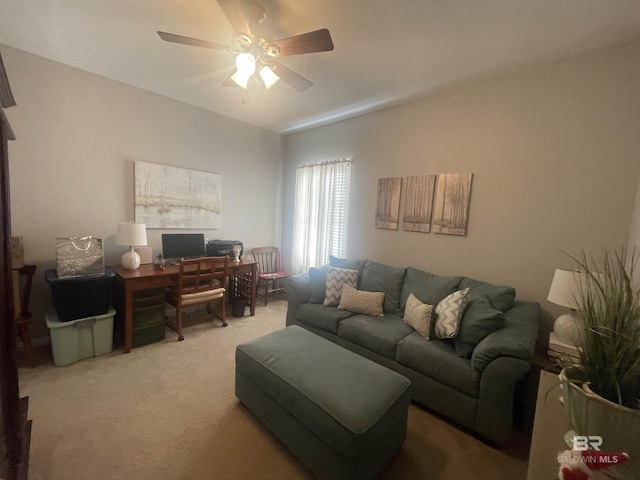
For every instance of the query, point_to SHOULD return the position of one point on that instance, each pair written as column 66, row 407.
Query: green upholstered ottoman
column 341, row 414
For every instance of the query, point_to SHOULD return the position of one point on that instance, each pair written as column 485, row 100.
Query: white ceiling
column 386, row 51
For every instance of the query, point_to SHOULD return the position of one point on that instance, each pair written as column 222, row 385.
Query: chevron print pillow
column 360, row 301
column 336, row 278
column 418, row 315
column 449, row 312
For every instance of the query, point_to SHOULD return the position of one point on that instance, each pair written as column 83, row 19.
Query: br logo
column 582, row 443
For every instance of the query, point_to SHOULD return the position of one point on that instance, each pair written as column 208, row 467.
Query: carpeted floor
column 168, row 411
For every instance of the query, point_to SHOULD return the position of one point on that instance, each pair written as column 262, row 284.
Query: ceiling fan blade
column 232, row 9
column 292, row 78
column 173, row 38
column 317, row 41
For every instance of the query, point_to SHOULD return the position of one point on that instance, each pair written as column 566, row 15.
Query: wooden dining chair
column 24, row 318
column 271, row 277
column 200, row 281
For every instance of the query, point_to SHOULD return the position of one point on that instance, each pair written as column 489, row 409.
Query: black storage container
column 80, row 297
column 220, row 248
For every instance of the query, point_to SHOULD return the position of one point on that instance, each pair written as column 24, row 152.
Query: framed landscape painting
column 418, row 203
column 453, row 195
column 172, row 197
column 388, row 207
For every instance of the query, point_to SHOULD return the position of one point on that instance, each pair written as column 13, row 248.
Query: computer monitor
column 182, row 245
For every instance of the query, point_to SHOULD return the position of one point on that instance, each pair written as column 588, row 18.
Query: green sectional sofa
column 470, row 378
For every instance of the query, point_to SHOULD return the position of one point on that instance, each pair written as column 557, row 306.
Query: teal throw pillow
column 479, row 320
column 500, row 296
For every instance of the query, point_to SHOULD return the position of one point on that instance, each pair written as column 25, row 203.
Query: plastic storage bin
column 81, row 338
column 80, row 297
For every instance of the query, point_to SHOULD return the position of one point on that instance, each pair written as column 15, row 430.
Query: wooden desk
column 242, row 275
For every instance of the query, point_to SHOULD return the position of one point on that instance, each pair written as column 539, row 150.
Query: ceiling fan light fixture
column 246, row 64
column 268, row 77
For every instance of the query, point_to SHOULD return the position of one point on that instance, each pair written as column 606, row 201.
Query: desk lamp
column 133, row 235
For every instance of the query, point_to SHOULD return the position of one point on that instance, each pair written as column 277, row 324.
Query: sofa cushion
column 348, row 263
column 500, row 296
column 360, row 301
column 449, row 313
column 336, row 278
column 418, row 316
column 318, row 280
column 438, row 359
column 377, row 277
column 427, row 287
column 380, row 335
column 479, row 320
column 323, row 318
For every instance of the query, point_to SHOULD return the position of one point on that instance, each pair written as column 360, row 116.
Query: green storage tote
column 81, row 338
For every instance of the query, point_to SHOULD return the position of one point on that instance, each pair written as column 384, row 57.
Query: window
column 320, row 214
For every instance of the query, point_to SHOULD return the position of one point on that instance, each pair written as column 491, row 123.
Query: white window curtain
column 320, row 214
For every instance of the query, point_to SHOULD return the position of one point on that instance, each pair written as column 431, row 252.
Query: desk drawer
column 153, row 315
column 148, row 298
column 149, row 334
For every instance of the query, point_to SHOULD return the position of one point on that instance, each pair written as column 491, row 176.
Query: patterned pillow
column 418, row 315
column 336, row 278
column 359, row 301
column 449, row 312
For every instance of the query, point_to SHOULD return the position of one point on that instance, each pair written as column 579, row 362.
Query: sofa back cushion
column 317, row 281
column 377, row 277
column 427, row 287
column 500, row 296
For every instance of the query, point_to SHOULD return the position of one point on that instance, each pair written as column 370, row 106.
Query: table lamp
column 565, row 291
column 132, row 235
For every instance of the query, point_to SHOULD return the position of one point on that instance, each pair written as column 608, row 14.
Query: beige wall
column 71, row 167
column 555, row 153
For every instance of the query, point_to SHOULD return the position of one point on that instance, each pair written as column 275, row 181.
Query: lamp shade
column 268, row 77
column 564, row 288
column 131, row 234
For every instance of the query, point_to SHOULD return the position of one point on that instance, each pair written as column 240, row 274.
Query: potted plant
column 602, row 389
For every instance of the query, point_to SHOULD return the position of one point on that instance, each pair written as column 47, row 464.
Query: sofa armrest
column 298, row 288
column 517, row 337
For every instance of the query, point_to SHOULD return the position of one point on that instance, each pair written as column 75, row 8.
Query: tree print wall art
column 388, row 208
column 171, row 197
column 451, row 212
column 418, row 203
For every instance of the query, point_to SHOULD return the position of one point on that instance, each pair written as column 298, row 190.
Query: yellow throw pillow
column 418, row 315
column 359, row 301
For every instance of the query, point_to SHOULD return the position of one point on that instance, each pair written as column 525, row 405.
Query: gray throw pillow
column 336, row 279
column 479, row 320
column 449, row 313
column 348, row 263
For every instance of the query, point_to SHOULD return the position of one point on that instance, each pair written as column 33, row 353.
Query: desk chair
column 201, row 280
column 23, row 317
column 270, row 273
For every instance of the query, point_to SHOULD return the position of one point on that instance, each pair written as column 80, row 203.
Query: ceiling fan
column 254, row 53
